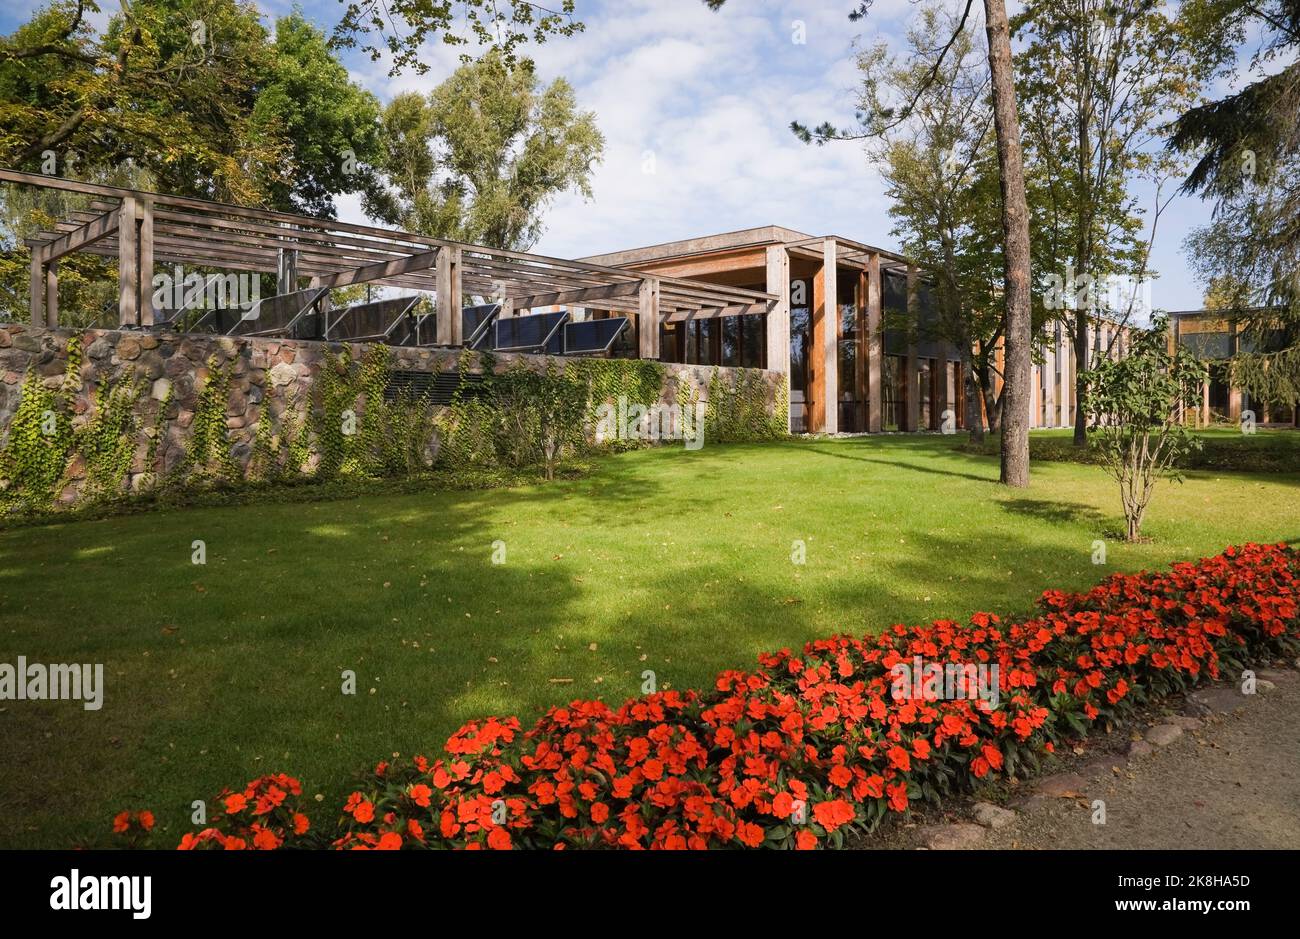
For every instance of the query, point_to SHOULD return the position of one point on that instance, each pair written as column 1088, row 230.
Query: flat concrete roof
column 730, row 241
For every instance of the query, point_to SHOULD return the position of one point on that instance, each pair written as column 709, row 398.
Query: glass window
column 669, row 338
column 893, row 389
column 800, row 343
column 851, row 415
column 708, row 341
column 730, row 328
column 753, row 341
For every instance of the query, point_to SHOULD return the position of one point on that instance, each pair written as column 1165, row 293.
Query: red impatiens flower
column 816, row 727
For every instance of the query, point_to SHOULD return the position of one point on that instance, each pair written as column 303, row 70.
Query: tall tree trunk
column 1017, row 370
column 1080, row 385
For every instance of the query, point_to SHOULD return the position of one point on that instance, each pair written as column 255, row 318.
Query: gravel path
column 1223, row 774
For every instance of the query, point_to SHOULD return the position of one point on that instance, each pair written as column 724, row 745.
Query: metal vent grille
column 438, row 387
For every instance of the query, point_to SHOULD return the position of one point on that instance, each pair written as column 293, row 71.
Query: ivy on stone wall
column 208, row 456
column 739, row 410
column 37, row 448
column 529, row 414
column 107, row 442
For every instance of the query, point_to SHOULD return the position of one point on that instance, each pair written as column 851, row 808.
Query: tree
column 502, row 25
column 482, row 156
column 1099, row 79
column 168, row 85
column 192, row 97
column 1248, row 148
column 1136, row 403
column 940, row 174
column 1018, row 370
column 195, row 92
column 1018, row 330
column 330, row 123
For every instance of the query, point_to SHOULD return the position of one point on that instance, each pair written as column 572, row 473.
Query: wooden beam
column 647, row 318
column 715, row 312
column 217, row 230
column 575, row 297
column 371, row 272
column 449, row 297
column 87, row 234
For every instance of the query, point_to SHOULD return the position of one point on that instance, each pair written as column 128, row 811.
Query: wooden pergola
column 311, row 256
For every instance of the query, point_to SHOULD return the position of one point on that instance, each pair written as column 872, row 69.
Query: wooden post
column 128, row 264
column 145, row 211
column 830, row 344
column 449, row 296
column 286, row 274
column 875, row 346
column 778, row 317
column 912, row 373
column 647, row 319
column 823, row 361
column 324, row 310
column 52, row 294
column 37, row 288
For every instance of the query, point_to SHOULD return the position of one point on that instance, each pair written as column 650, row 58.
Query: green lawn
column 668, row 560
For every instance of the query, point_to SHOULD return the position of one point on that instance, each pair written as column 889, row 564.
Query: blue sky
column 695, row 108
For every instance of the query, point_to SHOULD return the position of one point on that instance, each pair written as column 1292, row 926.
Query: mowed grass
column 666, row 560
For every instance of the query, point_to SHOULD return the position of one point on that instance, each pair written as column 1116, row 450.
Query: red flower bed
column 812, row 745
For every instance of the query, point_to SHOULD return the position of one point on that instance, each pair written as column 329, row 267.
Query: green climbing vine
column 107, row 442
column 528, row 414
column 209, row 456
column 740, row 409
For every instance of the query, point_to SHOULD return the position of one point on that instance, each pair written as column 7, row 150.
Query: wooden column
column 128, row 264
column 778, row 317
column 144, row 211
column 1205, row 403
column 647, row 319
column 449, row 296
column 52, row 294
column 37, row 288
column 324, row 311
column 875, row 347
column 823, row 412
column 912, row 380
column 286, row 274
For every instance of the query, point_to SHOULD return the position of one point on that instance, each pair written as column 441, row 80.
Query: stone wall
column 266, row 376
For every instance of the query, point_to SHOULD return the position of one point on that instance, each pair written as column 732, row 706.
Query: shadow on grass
column 1074, row 513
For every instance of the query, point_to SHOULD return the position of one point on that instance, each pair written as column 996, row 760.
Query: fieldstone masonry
column 266, row 376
